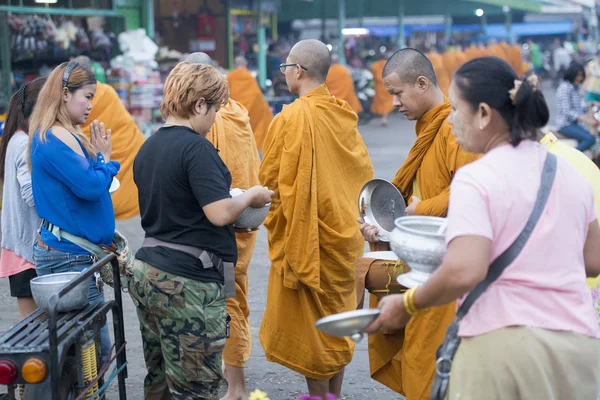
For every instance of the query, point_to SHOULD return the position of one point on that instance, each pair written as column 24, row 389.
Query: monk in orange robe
column 382, row 102
column 126, row 141
column 244, row 89
column 405, row 360
column 316, row 162
column 515, row 58
column 443, row 77
column 232, row 135
column 472, row 51
column 496, row 50
column 340, row 84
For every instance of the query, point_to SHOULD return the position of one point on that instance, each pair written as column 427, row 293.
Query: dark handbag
column 445, row 353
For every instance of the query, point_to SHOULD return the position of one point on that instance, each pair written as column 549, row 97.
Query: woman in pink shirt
column 532, row 333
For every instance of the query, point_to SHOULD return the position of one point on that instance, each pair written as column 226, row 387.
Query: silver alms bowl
column 379, row 204
column 43, row 287
column 419, row 241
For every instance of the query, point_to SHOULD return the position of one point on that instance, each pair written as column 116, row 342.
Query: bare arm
column 591, row 250
column 227, row 211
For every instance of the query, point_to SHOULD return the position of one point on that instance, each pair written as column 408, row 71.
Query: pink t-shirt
column 545, row 286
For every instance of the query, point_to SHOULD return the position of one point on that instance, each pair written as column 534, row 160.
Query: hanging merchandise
column 29, row 35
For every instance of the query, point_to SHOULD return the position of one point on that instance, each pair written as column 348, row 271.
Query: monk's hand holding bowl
column 369, row 232
column 393, row 315
column 412, row 208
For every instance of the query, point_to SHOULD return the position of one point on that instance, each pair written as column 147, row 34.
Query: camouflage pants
column 183, row 333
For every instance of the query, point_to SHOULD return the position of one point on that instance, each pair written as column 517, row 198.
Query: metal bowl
column 420, row 241
column 379, row 204
column 43, row 287
column 350, row 323
column 251, row 217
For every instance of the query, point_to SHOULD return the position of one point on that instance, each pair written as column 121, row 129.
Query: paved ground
column 388, row 148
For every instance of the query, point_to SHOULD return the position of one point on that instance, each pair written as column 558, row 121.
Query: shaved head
column 240, row 62
column 409, row 65
column 199, row 58
column 84, row 61
column 312, row 55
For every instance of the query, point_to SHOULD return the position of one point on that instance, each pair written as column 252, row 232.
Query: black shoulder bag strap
column 447, row 350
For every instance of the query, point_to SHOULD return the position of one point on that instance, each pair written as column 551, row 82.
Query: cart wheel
column 68, row 378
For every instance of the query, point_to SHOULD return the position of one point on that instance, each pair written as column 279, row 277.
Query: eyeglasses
column 70, row 67
column 282, row 67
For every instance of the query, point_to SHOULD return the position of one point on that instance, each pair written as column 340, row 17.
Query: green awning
column 521, row 5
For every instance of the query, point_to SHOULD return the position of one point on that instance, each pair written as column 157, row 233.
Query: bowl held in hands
column 251, row 217
column 420, row 241
column 351, row 323
column 379, row 204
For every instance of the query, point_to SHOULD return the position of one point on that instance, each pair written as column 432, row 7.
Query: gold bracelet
column 406, row 303
column 411, row 300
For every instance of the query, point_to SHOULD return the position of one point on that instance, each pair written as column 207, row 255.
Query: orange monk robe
column 126, row 141
column 244, row 89
column 441, row 73
column 497, row 50
column 450, row 62
column 515, row 58
column 232, row 135
column 461, row 59
column 383, row 101
column 405, row 360
column 316, row 162
column 471, row 53
column 340, row 84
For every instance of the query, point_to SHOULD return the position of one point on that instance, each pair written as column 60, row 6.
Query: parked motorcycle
column 363, row 85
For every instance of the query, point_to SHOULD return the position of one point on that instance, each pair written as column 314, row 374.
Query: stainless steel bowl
column 43, row 287
column 379, row 204
column 350, row 323
column 420, row 241
column 252, row 217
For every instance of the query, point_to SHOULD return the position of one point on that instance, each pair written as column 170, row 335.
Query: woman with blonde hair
column 19, row 219
column 183, row 272
column 71, row 177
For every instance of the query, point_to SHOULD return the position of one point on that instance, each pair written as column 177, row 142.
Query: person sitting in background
column 70, row 177
column 539, row 310
column 126, row 142
column 592, row 83
column 572, row 111
column 182, row 272
column 20, row 221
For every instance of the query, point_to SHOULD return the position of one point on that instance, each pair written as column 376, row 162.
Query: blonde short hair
column 187, row 83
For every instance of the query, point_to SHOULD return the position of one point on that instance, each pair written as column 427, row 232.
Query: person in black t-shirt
column 186, row 208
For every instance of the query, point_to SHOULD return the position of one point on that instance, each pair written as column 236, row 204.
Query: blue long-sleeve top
column 71, row 192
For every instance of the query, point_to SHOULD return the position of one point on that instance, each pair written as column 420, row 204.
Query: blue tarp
column 492, row 30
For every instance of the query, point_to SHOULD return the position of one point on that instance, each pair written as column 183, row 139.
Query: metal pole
column 262, row 54
column 447, row 26
column 401, row 38
column 149, row 17
column 323, row 21
column 508, row 21
column 229, row 29
column 483, row 23
column 341, row 25
column 274, row 32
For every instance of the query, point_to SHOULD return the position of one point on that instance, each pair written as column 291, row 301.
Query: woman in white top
column 20, row 221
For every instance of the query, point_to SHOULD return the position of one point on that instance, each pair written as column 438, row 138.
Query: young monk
column 316, row 163
column 382, row 102
column 245, row 90
column 405, row 360
column 340, row 84
column 126, row 141
column 232, row 135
